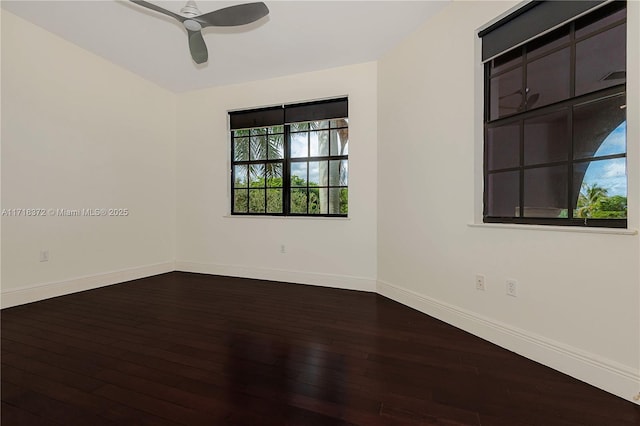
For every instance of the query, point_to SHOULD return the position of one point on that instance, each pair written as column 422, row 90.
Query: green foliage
column 593, row 202
column 258, row 187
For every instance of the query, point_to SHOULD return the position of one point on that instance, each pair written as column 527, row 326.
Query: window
column 555, row 115
column 291, row 160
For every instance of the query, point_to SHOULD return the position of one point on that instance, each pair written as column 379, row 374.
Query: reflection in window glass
column 601, row 61
column 507, row 95
column 506, row 60
column 503, row 194
column 548, row 79
column 555, row 143
column 503, row 146
column 546, row 138
column 545, row 191
column 548, row 42
column 597, row 122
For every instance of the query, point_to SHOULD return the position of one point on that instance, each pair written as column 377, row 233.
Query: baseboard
column 311, row 278
column 33, row 293
column 605, row 374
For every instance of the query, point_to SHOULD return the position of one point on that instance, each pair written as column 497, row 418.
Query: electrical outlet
column 283, row 249
column 44, row 255
column 480, row 283
column 512, row 288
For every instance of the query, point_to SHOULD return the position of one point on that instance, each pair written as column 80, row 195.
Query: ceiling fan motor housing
column 190, row 9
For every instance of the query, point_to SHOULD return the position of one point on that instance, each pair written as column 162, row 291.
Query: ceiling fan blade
column 234, row 15
column 158, row 9
column 532, row 100
column 197, row 47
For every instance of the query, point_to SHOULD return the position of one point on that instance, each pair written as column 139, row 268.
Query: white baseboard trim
column 600, row 372
column 347, row 282
column 33, row 293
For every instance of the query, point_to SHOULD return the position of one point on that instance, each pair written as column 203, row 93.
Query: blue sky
column 610, row 174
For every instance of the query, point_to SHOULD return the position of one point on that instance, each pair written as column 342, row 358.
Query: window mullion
column 286, row 172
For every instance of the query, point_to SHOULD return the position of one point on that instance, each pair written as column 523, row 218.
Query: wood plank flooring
column 190, row 349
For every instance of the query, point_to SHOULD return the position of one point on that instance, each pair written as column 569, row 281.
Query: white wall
column 79, row 132
column 578, row 302
column 332, row 252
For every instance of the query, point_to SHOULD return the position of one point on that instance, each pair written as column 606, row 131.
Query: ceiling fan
column 194, row 21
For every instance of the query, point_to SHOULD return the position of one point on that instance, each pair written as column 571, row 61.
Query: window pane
column 545, row 192
column 548, row 79
column 258, row 148
column 339, row 142
column 601, row 60
column 548, row 42
column 506, row 60
column 503, row 199
column 240, row 198
column 546, row 138
column 256, row 175
column 299, row 174
column 241, row 149
column 240, row 176
column 316, row 125
column 319, row 142
column 275, row 148
column 256, row 200
column 341, row 122
column 299, row 145
column 258, row 131
column 299, row 127
column 599, row 128
column 338, row 173
column 600, row 189
column 338, row 201
column 274, row 174
column 506, row 94
column 298, row 200
column 276, row 129
column 318, row 173
column 274, row 200
column 241, row 133
column 613, row 12
column 503, row 146
column 314, row 200
column 323, row 200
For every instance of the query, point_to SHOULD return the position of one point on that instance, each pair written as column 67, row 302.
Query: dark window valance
column 529, row 21
column 292, row 113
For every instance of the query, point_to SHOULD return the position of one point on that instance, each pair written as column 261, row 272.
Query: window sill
column 579, row 229
column 262, row 217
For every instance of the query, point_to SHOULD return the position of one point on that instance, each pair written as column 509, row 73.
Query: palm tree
column 259, row 144
column 589, row 197
column 330, row 202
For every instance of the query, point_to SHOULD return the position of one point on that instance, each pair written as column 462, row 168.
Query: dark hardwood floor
column 195, row 349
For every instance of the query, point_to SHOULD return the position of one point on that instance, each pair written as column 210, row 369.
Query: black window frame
column 596, row 10
column 289, row 116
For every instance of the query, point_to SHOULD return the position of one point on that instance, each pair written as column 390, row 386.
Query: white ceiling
column 297, row 36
